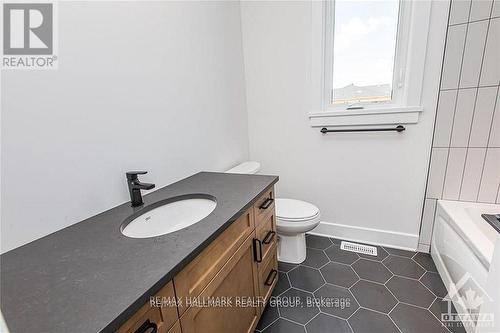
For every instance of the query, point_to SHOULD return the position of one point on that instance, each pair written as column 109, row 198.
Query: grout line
column 370, row 309
column 469, row 22
column 466, row 88
column 478, row 147
column 293, row 321
column 456, row 101
column 334, row 316
column 307, row 322
column 349, row 324
column 272, row 322
column 417, row 306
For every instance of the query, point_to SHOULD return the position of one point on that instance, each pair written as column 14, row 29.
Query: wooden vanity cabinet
column 248, row 277
column 225, row 288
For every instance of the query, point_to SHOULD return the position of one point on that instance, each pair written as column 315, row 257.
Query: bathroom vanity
column 213, row 276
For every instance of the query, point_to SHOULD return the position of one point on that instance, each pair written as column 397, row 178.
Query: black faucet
column 135, row 187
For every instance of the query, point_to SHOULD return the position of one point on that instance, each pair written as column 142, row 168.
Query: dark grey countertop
column 90, row 278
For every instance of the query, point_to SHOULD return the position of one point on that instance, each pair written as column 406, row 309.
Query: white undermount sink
column 168, row 216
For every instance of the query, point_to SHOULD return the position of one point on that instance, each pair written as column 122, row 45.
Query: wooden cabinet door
column 237, row 280
column 194, row 278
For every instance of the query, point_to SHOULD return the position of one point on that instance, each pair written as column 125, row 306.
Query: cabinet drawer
column 266, row 234
column 200, row 271
column 264, row 206
column 237, row 281
column 268, row 274
column 150, row 316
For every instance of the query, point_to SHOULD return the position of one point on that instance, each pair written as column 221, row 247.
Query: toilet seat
column 292, row 210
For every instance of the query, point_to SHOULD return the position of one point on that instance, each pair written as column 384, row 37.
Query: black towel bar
column 399, row 128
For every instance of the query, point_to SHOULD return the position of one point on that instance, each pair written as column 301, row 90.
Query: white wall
column 157, row 86
column 361, row 181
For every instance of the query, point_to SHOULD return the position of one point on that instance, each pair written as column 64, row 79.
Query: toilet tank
column 248, row 167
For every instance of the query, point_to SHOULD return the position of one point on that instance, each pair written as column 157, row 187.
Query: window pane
column 364, row 47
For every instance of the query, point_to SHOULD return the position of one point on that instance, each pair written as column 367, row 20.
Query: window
column 364, row 49
column 368, row 58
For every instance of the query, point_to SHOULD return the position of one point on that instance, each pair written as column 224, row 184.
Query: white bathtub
column 462, row 247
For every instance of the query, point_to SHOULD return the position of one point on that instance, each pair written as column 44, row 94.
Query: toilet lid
column 291, row 209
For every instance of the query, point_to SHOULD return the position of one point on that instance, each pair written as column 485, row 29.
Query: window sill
column 372, row 116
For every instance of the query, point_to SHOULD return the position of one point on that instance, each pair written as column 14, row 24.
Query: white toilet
column 293, row 219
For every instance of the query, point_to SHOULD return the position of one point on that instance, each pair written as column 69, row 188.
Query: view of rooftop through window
column 364, row 49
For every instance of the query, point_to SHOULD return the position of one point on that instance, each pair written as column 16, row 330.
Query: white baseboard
column 424, row 248
column 393, row 239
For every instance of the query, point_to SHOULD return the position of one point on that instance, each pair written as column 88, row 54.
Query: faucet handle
column 131, row 175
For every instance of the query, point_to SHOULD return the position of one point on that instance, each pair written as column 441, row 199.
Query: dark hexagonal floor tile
column 434, row 283
column 269, row 315
column 284, row 326
column 337, row 255
column 401, row 253
column 336, row 300
column 381, row 254
column 339, row 274
column 285, row 266
column 324, row 323
column 425, row 260
column 403, row 266
column 440, row 307
column 411, row 319
column 282, row 284
column 318, row 242
column 294, row 305
column 306, row 278
column 372, row 270
column 315, row 258
column 365, row 320
column 373, row 296
column 410, row 291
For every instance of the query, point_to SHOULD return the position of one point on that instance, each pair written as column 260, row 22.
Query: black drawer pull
column 266, row 203
column 257, row 250
column 269, row 237
column 272, row 276
column 147, row 327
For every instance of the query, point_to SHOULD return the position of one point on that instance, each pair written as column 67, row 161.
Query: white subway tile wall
column 465, row 155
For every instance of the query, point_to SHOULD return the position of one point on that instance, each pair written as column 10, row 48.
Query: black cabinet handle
column 147, row 327
column 266, row 203
column 269, row 237
column 271, row 277
column 257, row 250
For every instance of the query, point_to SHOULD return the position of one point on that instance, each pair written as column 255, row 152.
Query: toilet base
column 292, row 249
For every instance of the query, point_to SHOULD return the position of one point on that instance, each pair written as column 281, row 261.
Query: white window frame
column 411, row 46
